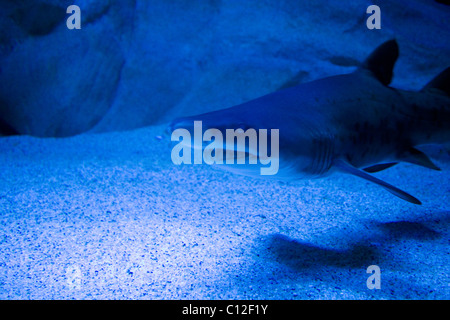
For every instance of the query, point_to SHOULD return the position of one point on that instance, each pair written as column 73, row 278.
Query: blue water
column 92, row 207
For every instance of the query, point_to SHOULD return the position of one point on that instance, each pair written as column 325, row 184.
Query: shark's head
column 221, row 120
column 230, row 138
column 249, row 142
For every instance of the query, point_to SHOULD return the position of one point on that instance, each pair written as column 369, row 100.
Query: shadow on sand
column 300, row 255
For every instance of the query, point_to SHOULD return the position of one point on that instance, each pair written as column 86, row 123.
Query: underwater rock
column 447, row 2
column 167, row 47
column 6, row 129
column 296, row 80
column 38, row 18
column 344, row 61
column 136, row 63
column 62, row 83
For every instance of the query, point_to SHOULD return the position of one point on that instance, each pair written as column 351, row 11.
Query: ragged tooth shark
column 353, row 123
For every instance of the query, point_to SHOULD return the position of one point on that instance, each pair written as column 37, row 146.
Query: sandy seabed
column 109, row 216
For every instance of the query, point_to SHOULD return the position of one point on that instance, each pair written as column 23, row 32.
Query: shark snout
column 180, row 123
column 187, row 124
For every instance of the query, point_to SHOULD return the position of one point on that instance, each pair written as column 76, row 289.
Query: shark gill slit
column 324, row 153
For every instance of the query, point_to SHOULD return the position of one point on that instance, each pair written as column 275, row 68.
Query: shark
column 354, row 123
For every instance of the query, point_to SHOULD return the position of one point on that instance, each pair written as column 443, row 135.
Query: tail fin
column 441, row 82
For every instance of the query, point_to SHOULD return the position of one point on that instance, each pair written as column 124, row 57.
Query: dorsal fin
column 382, row 60
column 441, row 82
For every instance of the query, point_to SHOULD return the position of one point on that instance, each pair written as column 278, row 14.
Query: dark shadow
column 344, row 61
column 446, row 2
column 300, row 270
column 423, row 229
column 409, row 230
column 6, row 129
column 38, row 19
column 296, row 80
column 299, row 255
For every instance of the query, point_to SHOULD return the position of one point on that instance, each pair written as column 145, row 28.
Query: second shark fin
column 379, row 167
column 419, row 158
column 441, row 82
column 345, row 167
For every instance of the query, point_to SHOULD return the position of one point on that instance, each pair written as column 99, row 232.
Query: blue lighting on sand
column 93, row 207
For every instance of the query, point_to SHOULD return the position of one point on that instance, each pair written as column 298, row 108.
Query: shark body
column 353, row 123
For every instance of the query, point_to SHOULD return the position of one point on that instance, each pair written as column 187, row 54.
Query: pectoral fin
column 379, row 167
column 345, row 167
